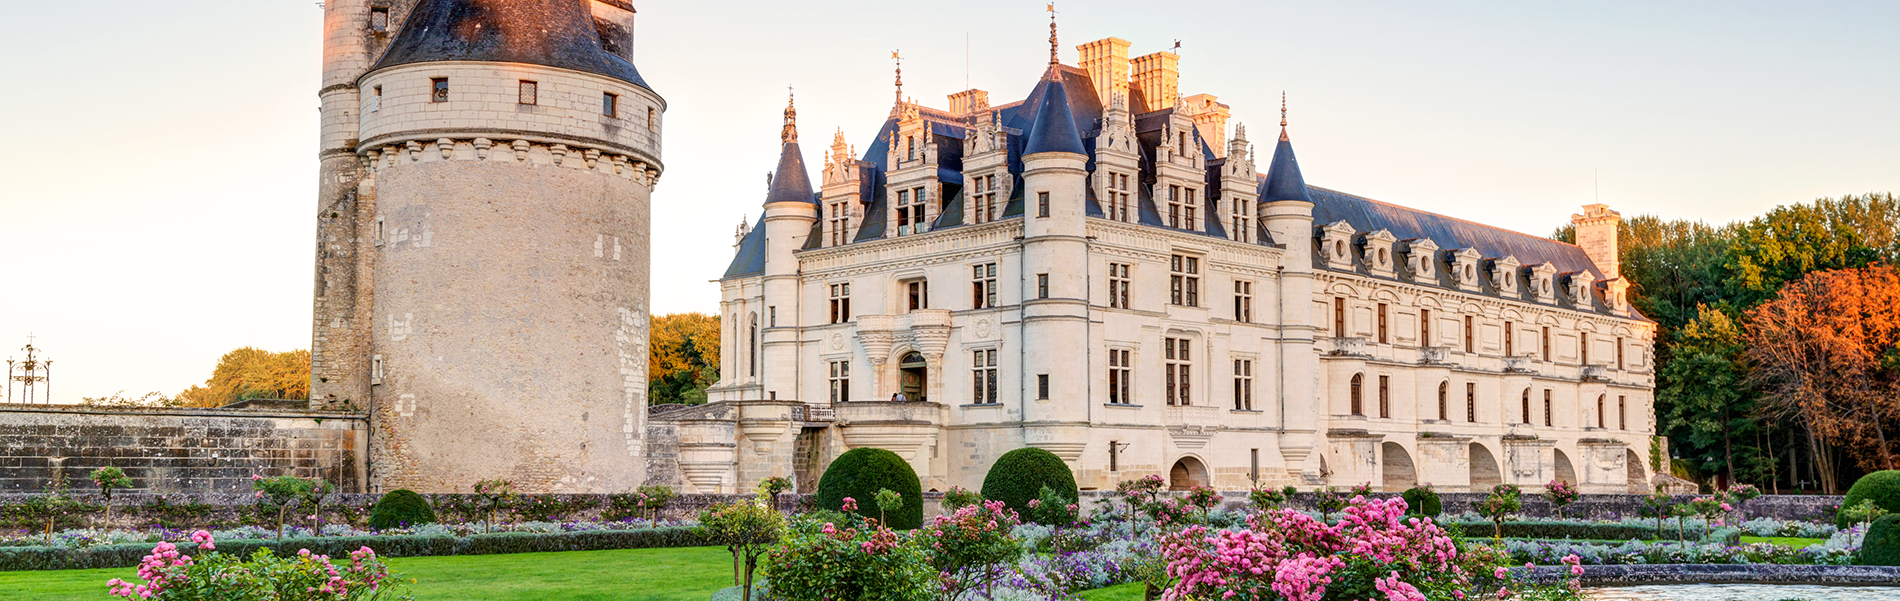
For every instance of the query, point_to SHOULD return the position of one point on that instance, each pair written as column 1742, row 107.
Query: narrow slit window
column 530, row 92
column 439, row 89
column 379, row 19
column 610, row 104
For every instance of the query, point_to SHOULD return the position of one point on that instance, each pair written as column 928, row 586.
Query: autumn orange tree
column 251, row 373
column 1825, row 351
column 684, row 357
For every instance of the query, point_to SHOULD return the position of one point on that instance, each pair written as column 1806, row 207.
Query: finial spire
column 1283, row 114
column 900, row 75
column 1053, row 48
column 790, row 133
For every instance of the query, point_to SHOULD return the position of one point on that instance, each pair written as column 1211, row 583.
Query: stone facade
column 483, row 241
column 179, row 450
column 1093, row 272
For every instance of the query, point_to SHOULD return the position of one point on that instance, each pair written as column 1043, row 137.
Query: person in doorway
column 898, row 398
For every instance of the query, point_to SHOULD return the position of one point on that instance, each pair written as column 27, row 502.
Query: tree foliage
column 252, row 373
column 1827, row 350
column 684, row 357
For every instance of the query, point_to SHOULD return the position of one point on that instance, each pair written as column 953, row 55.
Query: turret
column 1055, row 266
column 1287, row 210
column 509, row 158
column 791, row 208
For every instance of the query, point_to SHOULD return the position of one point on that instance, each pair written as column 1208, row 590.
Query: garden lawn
column 1133, row 591
column 682, row 574
column 1785, row 541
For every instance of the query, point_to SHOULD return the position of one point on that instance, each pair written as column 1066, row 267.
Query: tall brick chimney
column 1157, row 81
column 1596, row 233
column 1106, row 61
column 1210, row 119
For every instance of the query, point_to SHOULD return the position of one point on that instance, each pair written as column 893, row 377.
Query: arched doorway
column 914, row 376
column 1638, row 478
column 1484, row 469
column 1565, row 472
column 1397, row 471
column 1187, row 473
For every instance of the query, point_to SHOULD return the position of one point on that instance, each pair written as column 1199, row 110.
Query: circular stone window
column 1339, row 247
column 1382, row 257
column 1468, row 272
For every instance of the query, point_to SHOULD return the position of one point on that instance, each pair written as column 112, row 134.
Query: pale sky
column 157, row 178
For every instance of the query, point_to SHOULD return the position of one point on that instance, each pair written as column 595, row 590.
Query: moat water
column 1745, row 592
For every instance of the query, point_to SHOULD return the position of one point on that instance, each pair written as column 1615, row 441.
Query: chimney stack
column 964, row 103
column 1157, row 81
column 1106, row 61
column 1210, row 119
column 1596, row 232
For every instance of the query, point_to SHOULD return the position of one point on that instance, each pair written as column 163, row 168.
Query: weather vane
column 1052, row 34
column 30, row 372
column 900, row 75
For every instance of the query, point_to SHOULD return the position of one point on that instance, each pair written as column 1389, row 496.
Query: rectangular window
column 376, row 369
column 1547, row 413
column 1382, row 338
column 1339, row 317
column 840, row 381
column 379, row 19
column 1444, row 390
column 1583, row 348
column 439, row 89
column 986, row 200
column 610, row 104
column 1119, row 207
column 1385, row 397
column 1242, row 222
column 1602, row 418
column 1118, row 285
column 1622, row 413
column 1042, row 285
column 653, row 119
column 1425, row 327
column 1543, row 339
column 1042, row 386
column 1184, row 283
column 839, row 223
column 771, row 316
column 1471, row 402
column 1120, row 371
column 1510, row 339
column 1243, row 301
column 1113, row 464
column 918, row 294
column 1469, row 347
column 983, row 286
column 840, row 303
column 1243, row 385
column 1174, row 206
column 528, row 92
column 1187, row 206
column 1619, row 353
column 1253, row 463
column 1042, row 204
column 983, row 377
column 1177, row 361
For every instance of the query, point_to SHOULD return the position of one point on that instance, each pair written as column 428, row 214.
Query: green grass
column 1785, row 541
column 1133, row 591
column 685, row 574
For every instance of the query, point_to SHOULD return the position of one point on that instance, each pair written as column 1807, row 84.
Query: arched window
column 1385, row 397
column 1527, row 407
column 1358, row 394
column 752, row 348
column 1600, row 422
column 1444, row 388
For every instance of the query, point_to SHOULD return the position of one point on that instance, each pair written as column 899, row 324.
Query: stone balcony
column 1596, row 373
column 1520, row 365
column 1434, row 355
column 1345, row 346
column 1207, row 416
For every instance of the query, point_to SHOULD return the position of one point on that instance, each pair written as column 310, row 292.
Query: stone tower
column 483, row 240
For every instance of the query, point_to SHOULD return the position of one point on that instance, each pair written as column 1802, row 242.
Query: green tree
column 748, row 529
column 1709, row 408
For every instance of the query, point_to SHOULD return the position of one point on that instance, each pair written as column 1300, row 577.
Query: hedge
column 859, row 473
column 400, row 508
column 128, row 555
column 1882, row 545
column 1570, row 530
column 1422, row 501
column 1018, row 477
column 1883, row 487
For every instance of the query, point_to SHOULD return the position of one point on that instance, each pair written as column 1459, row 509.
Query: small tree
column 959, row 497
column 971, row 545
column 1741, row 493
column 1560, row 494
column 748, row 529
column 1504, row 500
column 1139, row 493
column 1682, row 511
column 1657, row 505
column 51, row 506
column 771, row 488
column 1205, row 499
column 1052, row 508
column 1863, row 514
column 1328, row 502
column 109, row 478
column 654, row 498
column 311, row 499
column 887, row 501
column 280, row 492
column 495, row 494
column 1266, row 499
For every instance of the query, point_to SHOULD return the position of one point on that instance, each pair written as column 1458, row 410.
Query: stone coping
column 182, row 411
column 1703, row 573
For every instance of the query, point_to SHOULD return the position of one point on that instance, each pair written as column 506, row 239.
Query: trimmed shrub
column 1560, row 530
column 859, row 473
column 1883, row 487
column 1881, row 547
column 1422, row 501
column 1018, row 477
column 400, row 508
column 128, row 555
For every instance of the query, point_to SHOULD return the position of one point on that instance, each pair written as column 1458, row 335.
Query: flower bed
column 1838, row 550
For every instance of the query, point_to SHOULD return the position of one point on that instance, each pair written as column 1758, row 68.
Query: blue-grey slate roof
column 554, row 33
column 1054, row 129
column 750, row 260
column 790, row 183
column 1284, row 181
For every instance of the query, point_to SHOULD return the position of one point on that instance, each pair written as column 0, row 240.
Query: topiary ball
column 400, row 508
column 1882, row 545
column 1422, row 501
column 859, row 473
column 1882, row 486
column 1018, row 477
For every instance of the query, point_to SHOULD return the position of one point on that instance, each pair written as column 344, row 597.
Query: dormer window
column 1336, row 242
column 1181, row 148
column 1465, row 262
column 1504, row 273
column 1580, row 284
column 1543, row 282
column 1379, row 258
column 1420, row 257
column 910, row 147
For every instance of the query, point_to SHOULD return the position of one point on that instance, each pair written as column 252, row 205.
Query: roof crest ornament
column 900, row 75
column 1053, row 48
column 790, row 133
column 1282, row 114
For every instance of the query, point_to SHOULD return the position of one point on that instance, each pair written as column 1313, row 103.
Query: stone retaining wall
column 177, row 449
column 1686, row 573
column 1592, row 507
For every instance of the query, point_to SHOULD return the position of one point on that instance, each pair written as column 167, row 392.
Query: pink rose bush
column 1372, row 552
column 169, row 574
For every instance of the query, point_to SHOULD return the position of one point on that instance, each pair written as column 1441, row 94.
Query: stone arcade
column 1101, row 271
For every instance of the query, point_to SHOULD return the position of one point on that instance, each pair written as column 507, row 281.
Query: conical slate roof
column 554, row 33
column 1284, row 181
column 1054, row 128
column 790, row 183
